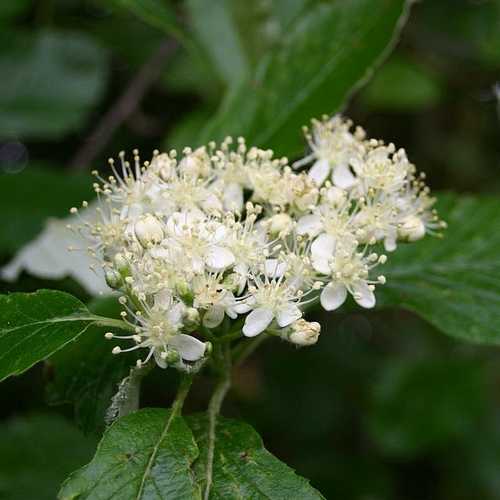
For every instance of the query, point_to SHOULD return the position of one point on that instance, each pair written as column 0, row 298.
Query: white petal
column 190, row 348
column 363, row 295
column 390, row 243
column 218, row 258
column 213, row 317
column 163, row 299
column 323, row 246
column 288, row 315
column 333, row 296
column 233, row 197
column 319, row 171
column 309, row 224
column 343, row 177
column 273, row 268
column 242, row 307
column 321, row 265
column 257, row 321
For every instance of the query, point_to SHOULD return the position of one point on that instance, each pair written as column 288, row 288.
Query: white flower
column 271, row 299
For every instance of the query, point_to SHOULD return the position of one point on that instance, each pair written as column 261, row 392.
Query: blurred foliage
column 383, row 407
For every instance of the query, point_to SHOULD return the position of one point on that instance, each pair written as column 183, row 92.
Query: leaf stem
column 214, row 407
column 182, row 392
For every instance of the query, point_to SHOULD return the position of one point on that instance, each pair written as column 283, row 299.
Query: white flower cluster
column 230, row 239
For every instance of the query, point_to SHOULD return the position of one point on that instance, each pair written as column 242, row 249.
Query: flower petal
column 288, row 315
column 309, row 224
column 343, row 177
column 323, row 246
column 273, row 268
column 213, row 317
column 363, row 295
column 333, row 296
column 257, row 321
column 190, row 348
column 319, row 171
column 233, row 197
column 218, row 258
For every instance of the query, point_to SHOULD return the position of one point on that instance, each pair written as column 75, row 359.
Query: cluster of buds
column 229, row 238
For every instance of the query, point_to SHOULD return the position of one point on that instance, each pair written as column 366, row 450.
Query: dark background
column 384, row 407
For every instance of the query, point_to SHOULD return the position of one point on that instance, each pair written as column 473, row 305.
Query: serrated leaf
column 50, row 82
column 327, row 51
column 454, row 281
column 242, row 467
column 145, row 455
column 36, row 453
column 34, row 326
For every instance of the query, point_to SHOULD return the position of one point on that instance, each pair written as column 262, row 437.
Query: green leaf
column 147, row 454
column 453, row 282
column 50, row 82
column 156, row 13
column 28, row 198
column 86, row 374
column 11, row 10
column 402, row 85
column 217, row 33
column 242, row 467
column 423, row 405
column 37, row 453
column 35, row 325
column 328, row 50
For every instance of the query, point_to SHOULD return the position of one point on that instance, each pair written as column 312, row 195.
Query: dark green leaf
column 402, row 85
column 424, row 404
column 37, row 453
column 50, row 81
column 329, row 49
column 145, row 455
column 453, row 282
column 35, row 325
column 28, row 198
column 10, row 10
column 156, row 13
column 86, row 374
column 242, row 467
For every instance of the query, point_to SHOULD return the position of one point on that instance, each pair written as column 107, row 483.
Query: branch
column 126, row 104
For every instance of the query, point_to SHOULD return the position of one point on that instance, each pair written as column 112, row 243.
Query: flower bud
column 113, row 279
column 304, row 333
column 121, row 264
column 411, row 228
column 191, row 318
column 148, row 230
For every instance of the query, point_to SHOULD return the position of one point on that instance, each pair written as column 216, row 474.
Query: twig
column 125, row 105
column 214, row 407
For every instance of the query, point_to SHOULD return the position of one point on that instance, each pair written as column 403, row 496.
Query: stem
column 214, row 407
column 182, row 392
column 113, row 323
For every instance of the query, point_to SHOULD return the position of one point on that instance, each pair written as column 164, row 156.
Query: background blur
column 384, row 407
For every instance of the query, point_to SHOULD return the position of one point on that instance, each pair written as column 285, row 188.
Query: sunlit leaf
column 322, row 56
